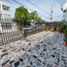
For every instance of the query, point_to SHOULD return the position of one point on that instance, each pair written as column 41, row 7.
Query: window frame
column 5, row 7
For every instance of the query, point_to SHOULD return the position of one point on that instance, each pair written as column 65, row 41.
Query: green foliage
column 64, row 28
column 22, row 17
column 34, row 16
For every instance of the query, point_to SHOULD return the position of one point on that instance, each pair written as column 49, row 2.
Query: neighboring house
column 6, row 23
column 64, row 9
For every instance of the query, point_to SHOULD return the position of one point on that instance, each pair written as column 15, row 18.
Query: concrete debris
column 45, row 49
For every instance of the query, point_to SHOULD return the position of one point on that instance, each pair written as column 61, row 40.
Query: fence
column 34, row 30
column 9, row 32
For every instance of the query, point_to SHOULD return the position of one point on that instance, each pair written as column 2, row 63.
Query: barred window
column 5, row 7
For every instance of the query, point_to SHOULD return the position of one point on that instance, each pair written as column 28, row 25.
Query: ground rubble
column 45, row 49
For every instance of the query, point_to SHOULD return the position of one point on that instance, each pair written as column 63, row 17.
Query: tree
column 22, row 17
column 34, row 16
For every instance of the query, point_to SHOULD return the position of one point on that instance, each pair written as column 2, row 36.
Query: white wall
column 64, row 9
column 65, row 16
column 6, row 15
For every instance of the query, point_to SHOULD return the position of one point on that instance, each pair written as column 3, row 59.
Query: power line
column 60, row 1
column 17, row 2
column 39, row 13
column 30, row 8
column 37, row 7
column 12, row 2
column 31, row 3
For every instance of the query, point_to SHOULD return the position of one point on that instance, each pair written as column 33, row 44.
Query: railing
column 34, row 30
column 8, row 32
column 8, row 35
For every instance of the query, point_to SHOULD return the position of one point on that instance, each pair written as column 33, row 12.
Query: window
column 64, row 11
column 5, row 7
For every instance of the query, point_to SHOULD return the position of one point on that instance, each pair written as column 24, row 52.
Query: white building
column 6, row 23
column 64, row 9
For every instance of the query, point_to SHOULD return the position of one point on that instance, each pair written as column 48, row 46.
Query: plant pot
column 65, row 44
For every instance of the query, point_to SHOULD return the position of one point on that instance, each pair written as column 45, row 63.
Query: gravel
column 45, row 49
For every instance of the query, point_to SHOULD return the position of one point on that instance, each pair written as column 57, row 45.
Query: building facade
column 6, row 23
column 64, row 9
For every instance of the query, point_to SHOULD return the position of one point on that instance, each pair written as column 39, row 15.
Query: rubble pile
column 45, row 49
column 49, row 52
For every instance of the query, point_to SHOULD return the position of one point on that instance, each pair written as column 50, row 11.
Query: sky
column 45, row 8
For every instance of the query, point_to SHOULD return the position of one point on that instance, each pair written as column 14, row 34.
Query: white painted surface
column 5, row 17
column 64, row 9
